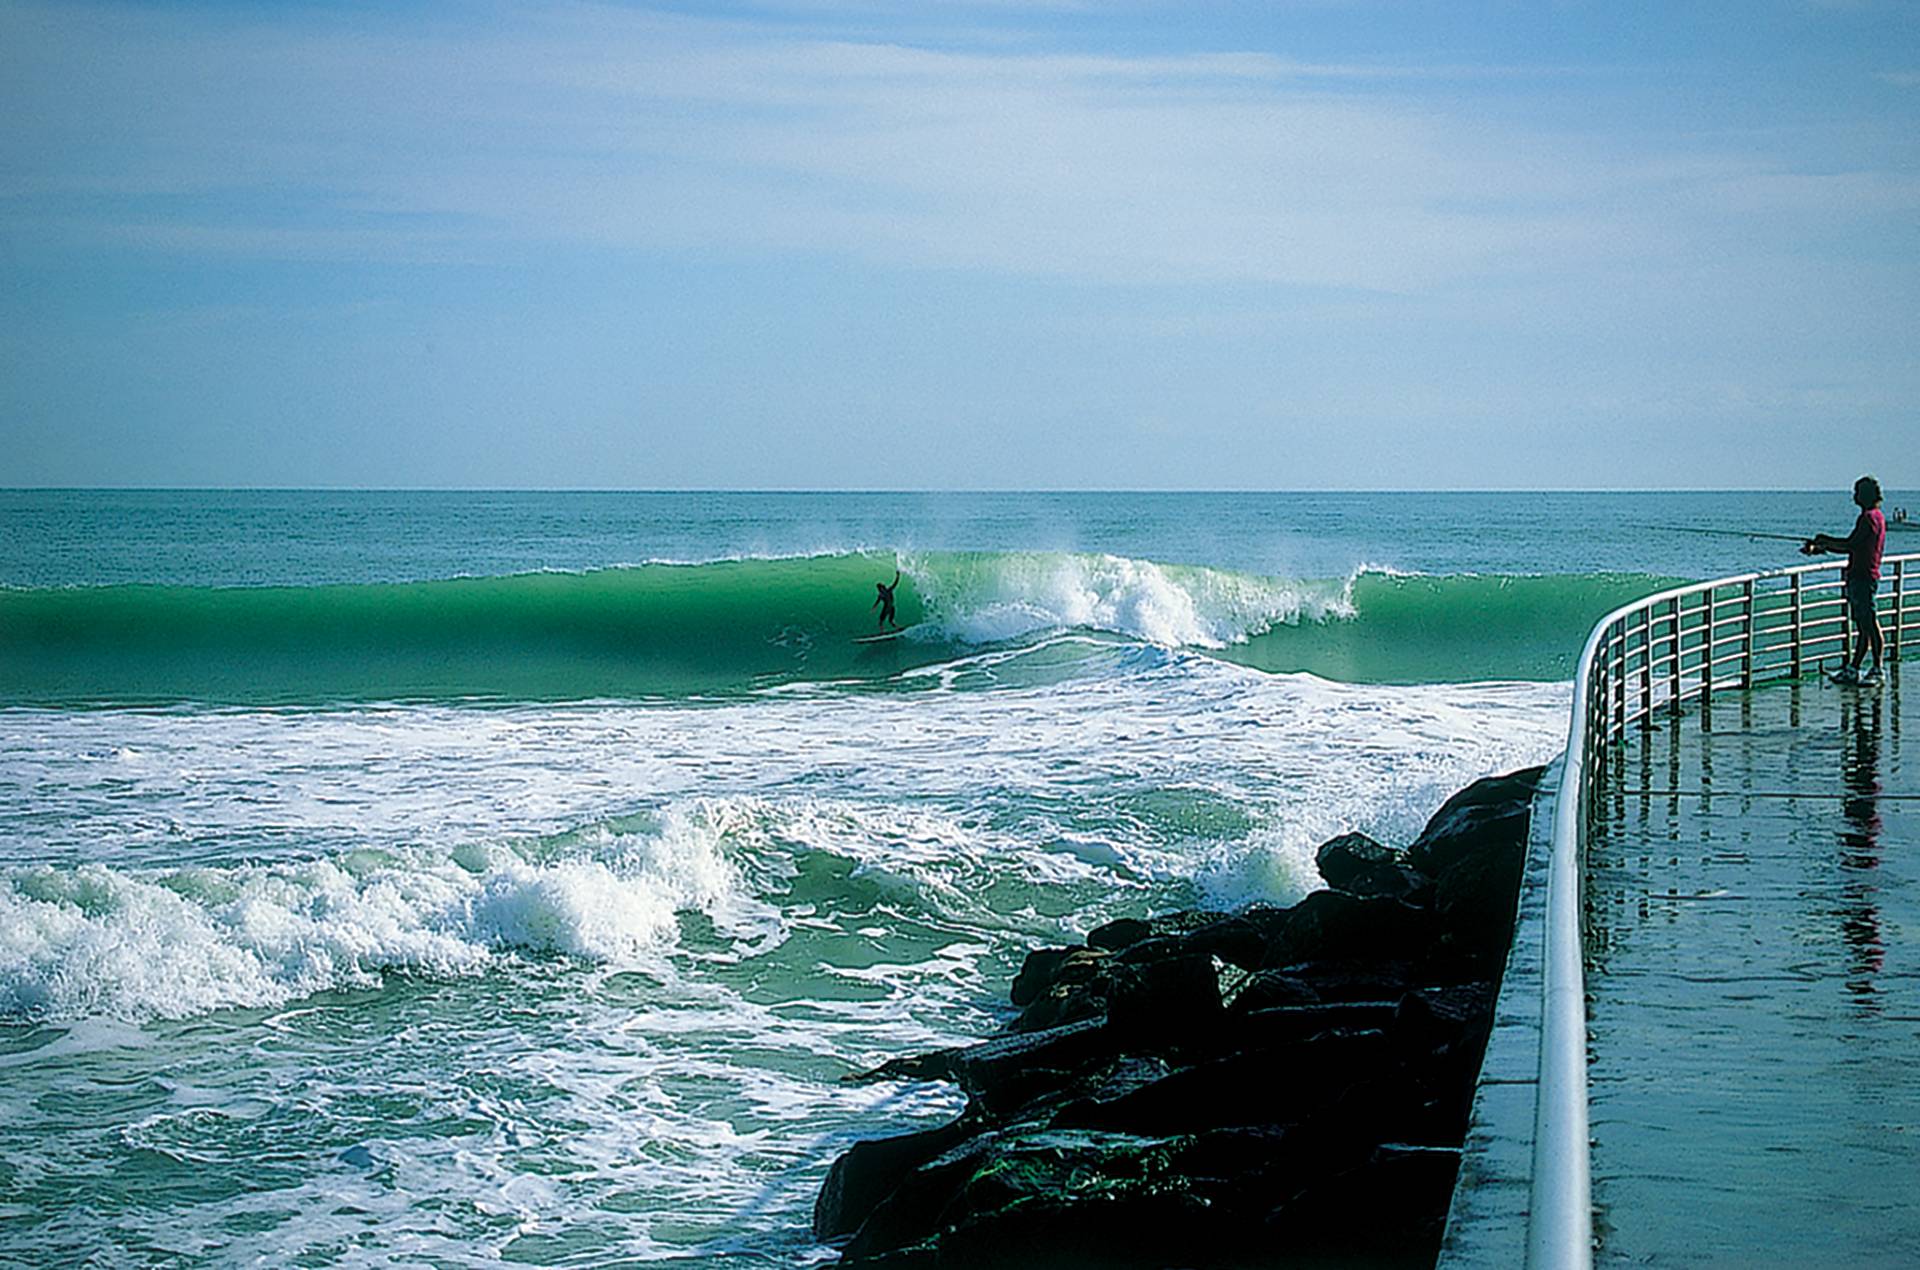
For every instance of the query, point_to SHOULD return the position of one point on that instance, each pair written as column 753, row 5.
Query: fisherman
column 1861, row 577
column 885, row 602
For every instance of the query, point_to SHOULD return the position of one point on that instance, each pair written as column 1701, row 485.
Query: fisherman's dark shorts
column 1860, row 602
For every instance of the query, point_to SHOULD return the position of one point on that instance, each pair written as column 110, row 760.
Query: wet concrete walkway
column 1754, row 984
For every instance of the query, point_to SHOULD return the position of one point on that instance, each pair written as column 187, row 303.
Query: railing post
column 1595, row 722
column 1794, row 587
column 1674, row 692
column 1899, row 605
column 1618, row 678
column 1746, row 639
column 1846, row 626
column 1706, row 660
column 1646, row 669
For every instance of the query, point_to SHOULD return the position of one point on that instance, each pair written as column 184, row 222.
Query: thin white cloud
column 615, row 128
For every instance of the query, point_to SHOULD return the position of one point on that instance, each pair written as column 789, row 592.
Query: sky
column 1295, row 244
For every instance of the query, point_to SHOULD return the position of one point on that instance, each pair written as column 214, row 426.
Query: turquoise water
column 477, row 879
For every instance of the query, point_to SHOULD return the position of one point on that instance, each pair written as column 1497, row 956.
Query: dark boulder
column 1356, row 979
column 990, row 1070
column 1056, row 990
column 1164, row 1004
column 937, row 1065
column 1362, row 1215
column 1268, row 989
column 1122, row 933
column 1494, row 809
column 918, row 1205
column 1330, row 925
column 1245, row 939
column 1475, row 901
column 1155, row 948
column 1044, row 967
column 1037, row 1198
column 1286, row 1025
column 1118, row 1081
column 1276, row 1086
column 870, row 1171
column 1442, row 1034
column 1429, row 1018
column 1357, row 865
column 1118, row 935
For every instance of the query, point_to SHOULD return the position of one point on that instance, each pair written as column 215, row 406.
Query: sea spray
column 986, row 598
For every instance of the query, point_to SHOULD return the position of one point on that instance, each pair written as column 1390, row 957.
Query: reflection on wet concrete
column 1753, row 893
column 1860, row 722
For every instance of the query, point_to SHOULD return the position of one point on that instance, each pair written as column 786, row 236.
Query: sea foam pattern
column 1149, row 776
column 133, row 945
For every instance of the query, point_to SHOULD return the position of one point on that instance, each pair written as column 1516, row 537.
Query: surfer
column 885, row 602
column 1861, row 577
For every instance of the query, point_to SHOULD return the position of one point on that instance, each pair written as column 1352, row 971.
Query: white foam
column 133, row 944
column 1007, row 596
column 1378, row 761
column 264, row 856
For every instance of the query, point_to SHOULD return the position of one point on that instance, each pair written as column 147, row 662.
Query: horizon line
column 922, row 490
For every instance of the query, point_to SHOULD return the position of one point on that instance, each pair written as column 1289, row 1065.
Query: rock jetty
column 1278, row 1086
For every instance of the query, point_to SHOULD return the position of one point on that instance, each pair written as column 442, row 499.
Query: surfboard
column 882, row 637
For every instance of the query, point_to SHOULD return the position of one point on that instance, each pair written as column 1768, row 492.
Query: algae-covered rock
column 991, row 1179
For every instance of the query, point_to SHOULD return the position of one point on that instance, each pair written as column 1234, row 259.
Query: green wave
column 727, row 626
column 1451, row 629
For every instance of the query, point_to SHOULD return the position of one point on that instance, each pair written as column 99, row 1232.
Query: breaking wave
column 677, row 630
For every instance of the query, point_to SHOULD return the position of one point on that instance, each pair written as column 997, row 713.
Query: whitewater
column 493, row 879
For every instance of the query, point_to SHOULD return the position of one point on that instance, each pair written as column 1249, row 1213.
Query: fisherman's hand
column 1809, row 548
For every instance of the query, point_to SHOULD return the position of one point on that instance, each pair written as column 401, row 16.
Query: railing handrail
column 1560, row 1218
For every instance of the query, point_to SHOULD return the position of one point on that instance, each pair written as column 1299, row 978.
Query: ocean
column 470, row 879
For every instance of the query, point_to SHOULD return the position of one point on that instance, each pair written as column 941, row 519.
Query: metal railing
column 1652, row 657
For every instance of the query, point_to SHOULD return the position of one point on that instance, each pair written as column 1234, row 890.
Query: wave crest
column 991, row 599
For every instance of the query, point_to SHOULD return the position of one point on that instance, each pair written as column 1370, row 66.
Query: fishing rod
column 1729, row 533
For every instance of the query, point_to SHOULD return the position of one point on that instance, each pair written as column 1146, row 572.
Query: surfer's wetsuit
column 885, row 602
